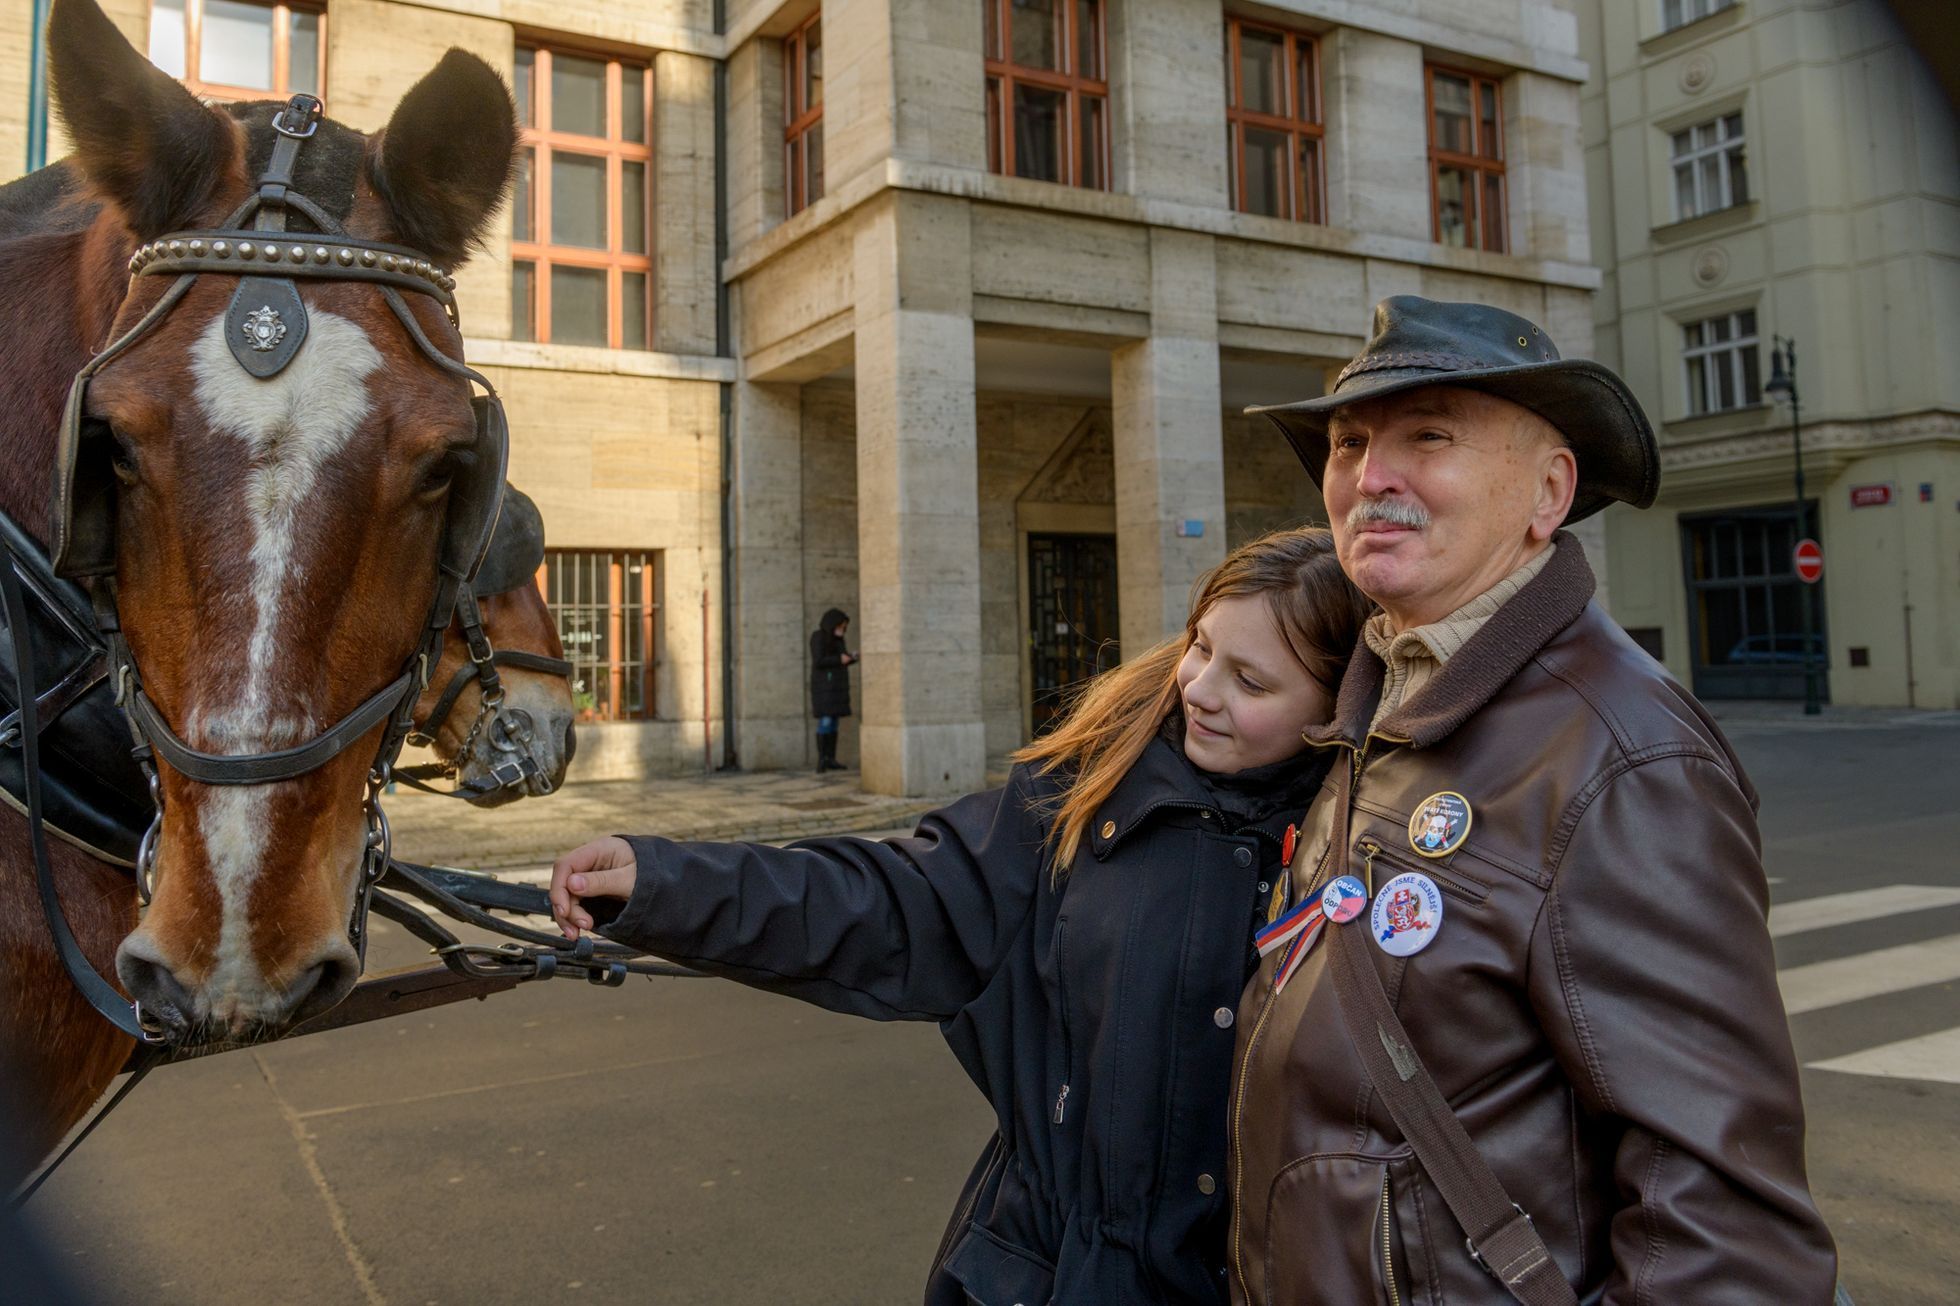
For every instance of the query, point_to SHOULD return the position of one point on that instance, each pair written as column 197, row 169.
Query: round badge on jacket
column 1408, row 912
column 1343, row 899
column 1440, row 825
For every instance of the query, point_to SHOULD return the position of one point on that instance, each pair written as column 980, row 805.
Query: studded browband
column 339, row 258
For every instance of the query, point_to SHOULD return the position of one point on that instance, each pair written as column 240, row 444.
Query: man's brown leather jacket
column 1599, row 1005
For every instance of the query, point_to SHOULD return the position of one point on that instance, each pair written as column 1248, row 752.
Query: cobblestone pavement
column 763, row 806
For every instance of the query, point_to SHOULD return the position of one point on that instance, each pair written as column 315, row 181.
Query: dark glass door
column 1745, row 605
column 1072, row 628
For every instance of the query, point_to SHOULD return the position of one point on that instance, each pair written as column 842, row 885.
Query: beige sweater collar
column 1416, row 654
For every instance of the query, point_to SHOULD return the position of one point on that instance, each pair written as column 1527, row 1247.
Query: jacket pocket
column 995, row 1272
column 1333, row 1233
column 1389, row 864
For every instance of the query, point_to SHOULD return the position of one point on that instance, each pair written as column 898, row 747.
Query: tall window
column 1272, row 114
column 1679, row 13
column 1047, row 91
column 1710, row 172
column 607, row 606
column 803, row 115
column 235, row 50
column 1720, row 360
column 581, row 268
column 1466, row 159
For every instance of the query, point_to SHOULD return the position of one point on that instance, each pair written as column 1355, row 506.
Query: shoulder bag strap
column 1500, row 1238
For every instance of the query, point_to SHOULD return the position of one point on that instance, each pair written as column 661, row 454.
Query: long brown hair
column 1115, row 716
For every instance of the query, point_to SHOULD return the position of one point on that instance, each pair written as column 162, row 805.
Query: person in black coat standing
column 830, row 683
column 1081, row 935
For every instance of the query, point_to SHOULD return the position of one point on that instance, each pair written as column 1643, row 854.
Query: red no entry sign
column 1810, row 561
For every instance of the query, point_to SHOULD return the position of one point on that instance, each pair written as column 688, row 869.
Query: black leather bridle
column 265, row 327
column 516, row 553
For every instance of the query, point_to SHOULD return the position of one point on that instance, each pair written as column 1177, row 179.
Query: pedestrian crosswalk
column 1818, row 986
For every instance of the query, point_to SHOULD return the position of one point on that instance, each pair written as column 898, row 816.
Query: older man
column 1536, row 1053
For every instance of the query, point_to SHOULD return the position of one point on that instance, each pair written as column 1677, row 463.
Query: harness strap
column 103, row 996
column 1500, row 1236
column 280, row 764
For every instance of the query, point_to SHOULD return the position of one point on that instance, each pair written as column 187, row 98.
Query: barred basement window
column 1466, row 160
column 1047, row 91
column 803, row 115
column 607, row 606
column 1721, row 363
column 581, row 262
column 1710, row 171
column 237, row 50
column 1272, row 121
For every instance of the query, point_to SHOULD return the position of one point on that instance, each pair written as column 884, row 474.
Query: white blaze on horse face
column 291, row 424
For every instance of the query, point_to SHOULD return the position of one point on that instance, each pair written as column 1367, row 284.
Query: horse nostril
column 571, row 743
column 163, row 997
column 319, row 987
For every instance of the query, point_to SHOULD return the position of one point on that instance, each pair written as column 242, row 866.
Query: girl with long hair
column 1082, row 934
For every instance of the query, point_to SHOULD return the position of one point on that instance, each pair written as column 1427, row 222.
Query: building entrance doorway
column 1072, row 622
column 1745, row 604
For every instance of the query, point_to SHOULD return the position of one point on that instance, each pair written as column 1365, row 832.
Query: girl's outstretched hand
column 603, row 868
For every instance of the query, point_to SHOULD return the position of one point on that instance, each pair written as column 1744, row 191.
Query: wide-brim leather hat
column 1422, row 342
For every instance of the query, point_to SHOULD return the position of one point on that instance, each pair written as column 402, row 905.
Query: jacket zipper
column 1388, row 1255
column 1238, row 1102
column 1068, row 1042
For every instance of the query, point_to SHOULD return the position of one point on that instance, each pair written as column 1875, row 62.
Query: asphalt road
column 690, row 1141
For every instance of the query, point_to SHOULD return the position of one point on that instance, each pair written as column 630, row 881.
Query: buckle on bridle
column 308, row 110
column 1478, row 1256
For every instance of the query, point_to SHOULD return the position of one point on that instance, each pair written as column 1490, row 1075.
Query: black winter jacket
column 830, row 679
column 1095, row 1013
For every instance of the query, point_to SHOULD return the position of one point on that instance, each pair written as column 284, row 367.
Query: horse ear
column 151, row 148
column 447, row 157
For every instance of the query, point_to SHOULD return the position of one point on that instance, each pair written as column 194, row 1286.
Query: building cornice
column 989, row 188
column 1852, row 439
column 594, row 361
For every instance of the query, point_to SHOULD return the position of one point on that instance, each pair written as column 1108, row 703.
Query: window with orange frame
column 803, row 115
column 1047, row 91
column 1272, row 114
column 581, row 215
column 240, row 50
column 1466, row 159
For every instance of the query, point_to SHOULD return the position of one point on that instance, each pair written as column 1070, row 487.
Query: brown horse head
column 277, row 539
column 533, row 721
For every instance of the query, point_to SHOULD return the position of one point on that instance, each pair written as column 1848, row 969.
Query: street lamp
column 1783, row 385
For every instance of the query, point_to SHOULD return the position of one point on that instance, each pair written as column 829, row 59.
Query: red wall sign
column 1871, row 496
column 1809, row 558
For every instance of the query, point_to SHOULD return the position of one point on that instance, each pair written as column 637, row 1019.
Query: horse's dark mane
column 53, row 198
column 329, row 167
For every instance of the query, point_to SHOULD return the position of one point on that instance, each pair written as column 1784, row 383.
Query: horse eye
column 124, row 463
column 446, row 470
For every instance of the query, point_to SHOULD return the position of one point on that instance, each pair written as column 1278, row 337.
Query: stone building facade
column 963, row 350
column 1782, row 168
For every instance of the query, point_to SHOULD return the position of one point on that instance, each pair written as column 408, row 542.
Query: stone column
column 1546, row 174
column 918, row 507
column 684, row 204
column 1167, row 81
column 755, row 140
column 766, row 551
column 1169, row 443
column 1377, row 141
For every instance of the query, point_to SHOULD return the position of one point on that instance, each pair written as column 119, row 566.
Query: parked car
column 1774, row 650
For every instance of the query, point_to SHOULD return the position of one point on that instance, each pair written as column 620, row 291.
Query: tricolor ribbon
column 1297, row 931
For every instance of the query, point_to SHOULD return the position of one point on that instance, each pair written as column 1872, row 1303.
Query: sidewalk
column 1753, row 715
column 764, row 806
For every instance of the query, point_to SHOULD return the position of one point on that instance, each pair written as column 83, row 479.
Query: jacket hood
column 831, row 616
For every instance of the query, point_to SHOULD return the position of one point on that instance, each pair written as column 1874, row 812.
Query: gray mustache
column 1391, row 512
